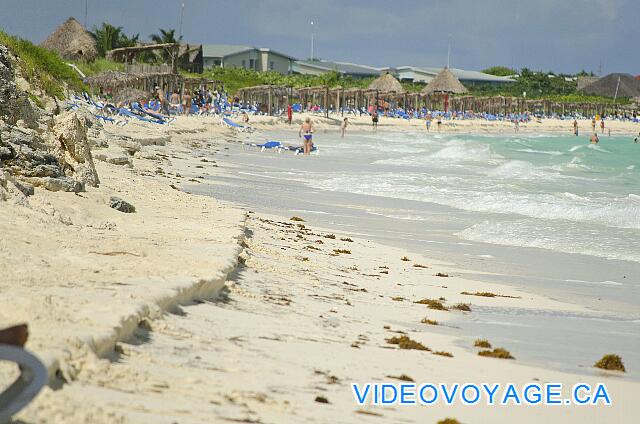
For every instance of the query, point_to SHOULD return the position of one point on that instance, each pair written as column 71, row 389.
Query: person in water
column 575, row 127
column 637, row 139
column 343, row 126
column 306, row 131
column 594, row 138
column 374, row 120
column 428, row 121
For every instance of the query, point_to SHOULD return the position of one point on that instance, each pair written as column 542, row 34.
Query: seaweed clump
column 297, row 218
column 484, row 343
column 404, row 342
column 432, row 304
column 497, row 353
column 429, row 321
column 610, row 362
column 462, row 307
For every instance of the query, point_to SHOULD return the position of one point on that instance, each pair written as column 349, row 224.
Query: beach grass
column 42, row 68
column 443, row 353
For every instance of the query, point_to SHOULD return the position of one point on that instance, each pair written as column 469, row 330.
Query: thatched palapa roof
column 128, row 95
column 444, row 82
column 606, row 86
column 72, row 42
column 386, row 83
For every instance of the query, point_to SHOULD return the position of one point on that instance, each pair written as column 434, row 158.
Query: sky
column 546, row 35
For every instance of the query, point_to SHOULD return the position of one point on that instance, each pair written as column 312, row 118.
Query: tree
column 500, row 71
column 165, row 36
column 109, row 37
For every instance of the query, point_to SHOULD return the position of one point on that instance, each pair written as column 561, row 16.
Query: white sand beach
column 194, row 310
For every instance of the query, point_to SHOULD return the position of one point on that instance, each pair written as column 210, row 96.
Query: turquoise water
column 547, row 214
column 551, row 192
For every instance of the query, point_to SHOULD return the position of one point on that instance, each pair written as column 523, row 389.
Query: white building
column 246, row 57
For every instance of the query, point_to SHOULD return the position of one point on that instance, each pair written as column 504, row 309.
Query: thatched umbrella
column 72, row 42
column 111, row 79
column 128, row 95
column 386, row 83
column 445, row 82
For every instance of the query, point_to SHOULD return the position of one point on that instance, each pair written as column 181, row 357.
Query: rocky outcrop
column 73, row 148
column 37, row 148
column 8, row 90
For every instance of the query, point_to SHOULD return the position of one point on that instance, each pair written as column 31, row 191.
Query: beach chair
column 230, row 124
column 269, row 145
column 33, row 376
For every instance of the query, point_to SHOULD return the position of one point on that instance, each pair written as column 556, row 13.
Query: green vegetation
column 41, row 67
column 610, row 362
column 404, row 342
column 99, row 65
column 109, row 37
column 500, row 71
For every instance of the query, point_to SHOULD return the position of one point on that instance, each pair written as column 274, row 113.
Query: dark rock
column 59, row 184
column 121, row 205
column 26, row 188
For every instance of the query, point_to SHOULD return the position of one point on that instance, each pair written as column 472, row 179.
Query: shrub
column 462, row 307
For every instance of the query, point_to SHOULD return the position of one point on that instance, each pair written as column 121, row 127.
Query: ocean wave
column 458, row 192
column 542, row 152
column 602, row 243
column 522, row 170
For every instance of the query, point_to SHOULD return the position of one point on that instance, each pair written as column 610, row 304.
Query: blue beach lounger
column 229, row 123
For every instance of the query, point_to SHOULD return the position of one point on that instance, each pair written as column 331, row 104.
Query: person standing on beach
column 289, row 114
column 306, row 131
column 575, row 127
column 343, row 126
column 593, row 124
column 602, row 126
column 374, row 119
column 186, row 103
column 428, row 121
column 439, row 122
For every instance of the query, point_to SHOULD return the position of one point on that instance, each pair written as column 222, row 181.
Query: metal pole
column 180, row 27
column 312, row 41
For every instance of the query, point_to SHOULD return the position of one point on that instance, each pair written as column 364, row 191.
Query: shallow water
column 549, row 214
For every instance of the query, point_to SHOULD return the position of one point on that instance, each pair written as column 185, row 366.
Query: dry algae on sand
column 404, row 342
column 610, row 362
column 482, row 343
column 432, row 304
column 498, row 352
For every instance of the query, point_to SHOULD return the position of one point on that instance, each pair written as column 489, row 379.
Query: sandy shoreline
column 277, row 325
